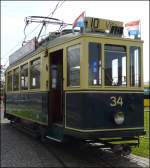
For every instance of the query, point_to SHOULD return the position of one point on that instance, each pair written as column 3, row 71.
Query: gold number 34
column 116, row 101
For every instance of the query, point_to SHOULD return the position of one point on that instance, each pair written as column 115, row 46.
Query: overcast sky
column 14, row 12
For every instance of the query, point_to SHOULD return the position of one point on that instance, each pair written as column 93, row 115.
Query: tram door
column 56, row 87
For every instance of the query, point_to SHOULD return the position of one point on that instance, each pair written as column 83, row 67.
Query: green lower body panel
column 30, row 106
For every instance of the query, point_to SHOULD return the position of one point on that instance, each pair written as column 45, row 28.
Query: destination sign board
column 101, row 25
column 23, row 51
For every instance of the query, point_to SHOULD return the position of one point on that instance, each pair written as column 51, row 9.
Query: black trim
column 105, row 134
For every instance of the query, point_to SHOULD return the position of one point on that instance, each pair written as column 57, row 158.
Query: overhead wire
column 51, row 14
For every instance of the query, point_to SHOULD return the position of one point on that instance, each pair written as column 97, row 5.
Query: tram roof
column 66, row 38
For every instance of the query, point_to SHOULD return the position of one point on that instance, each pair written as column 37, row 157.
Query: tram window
column 35, row 74
column 9, row 81
column 135, row 69
column 16, row 79
column 94, row 63
column 73, row 64
column 24, row 77
column 115, row 65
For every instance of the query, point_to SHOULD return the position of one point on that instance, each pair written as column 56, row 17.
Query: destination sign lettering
column 100, row 25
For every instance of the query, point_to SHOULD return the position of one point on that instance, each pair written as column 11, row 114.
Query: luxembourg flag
column 79, row 22
column 133, row 28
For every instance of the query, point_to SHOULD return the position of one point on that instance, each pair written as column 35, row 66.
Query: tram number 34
column 116, row 101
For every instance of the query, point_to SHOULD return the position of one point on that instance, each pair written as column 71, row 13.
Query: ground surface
column 21, row 150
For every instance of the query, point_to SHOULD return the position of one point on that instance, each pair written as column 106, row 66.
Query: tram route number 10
column 102, row 24
column 116, row 101
column 97, row 24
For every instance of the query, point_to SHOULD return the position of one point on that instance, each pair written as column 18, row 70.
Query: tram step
column 58, row 140
column 56, row 132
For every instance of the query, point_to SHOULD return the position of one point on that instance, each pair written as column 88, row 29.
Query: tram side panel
column 96, row 111
column 30, row 106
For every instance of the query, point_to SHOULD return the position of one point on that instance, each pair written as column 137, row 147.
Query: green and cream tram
column 86, row 85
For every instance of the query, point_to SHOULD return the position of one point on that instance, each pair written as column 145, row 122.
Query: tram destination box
column 103, row 26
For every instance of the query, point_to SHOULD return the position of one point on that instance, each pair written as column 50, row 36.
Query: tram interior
column 56, row 86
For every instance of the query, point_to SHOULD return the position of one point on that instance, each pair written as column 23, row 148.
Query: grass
column 143, row 149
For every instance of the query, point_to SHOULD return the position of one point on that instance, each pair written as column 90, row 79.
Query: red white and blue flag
column 79, row 22
column 133, row 28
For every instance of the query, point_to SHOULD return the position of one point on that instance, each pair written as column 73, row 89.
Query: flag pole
column 140, row 28
column 82, row 28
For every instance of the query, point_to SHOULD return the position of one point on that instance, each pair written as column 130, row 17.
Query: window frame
column 100, row 59
column 80, row 48
column 21, row 87
column 16, row 68
column 121, row 45
column 140, row 66
column 11, row 74
column 30, row 76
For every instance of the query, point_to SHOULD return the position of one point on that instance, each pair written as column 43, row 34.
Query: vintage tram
column 86, row 85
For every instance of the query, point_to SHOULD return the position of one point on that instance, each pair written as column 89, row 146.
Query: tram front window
column 115, row 65
column 94, row 63
column 135, row 69
column 73, row 65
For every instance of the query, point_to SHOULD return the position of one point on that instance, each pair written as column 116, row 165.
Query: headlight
column 119, row 118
